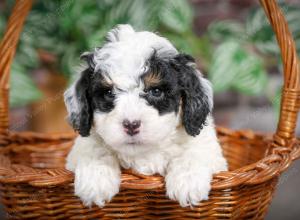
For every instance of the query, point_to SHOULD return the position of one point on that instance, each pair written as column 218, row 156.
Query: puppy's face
column 136, row 91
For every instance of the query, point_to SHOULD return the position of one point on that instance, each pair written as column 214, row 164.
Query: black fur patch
column 92, row 94
column 102, row 100
column 83, row 121
column 170, row 99
column 179, row 81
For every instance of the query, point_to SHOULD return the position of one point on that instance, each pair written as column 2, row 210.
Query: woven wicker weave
column 35, row 185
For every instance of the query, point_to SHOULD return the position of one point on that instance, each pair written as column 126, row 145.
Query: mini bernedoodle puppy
column 141, row 104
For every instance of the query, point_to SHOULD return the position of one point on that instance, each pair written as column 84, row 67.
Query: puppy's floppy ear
column 77, row 101
column 196, row 94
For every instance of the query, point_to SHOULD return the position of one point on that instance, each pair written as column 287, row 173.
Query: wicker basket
column 35, row 185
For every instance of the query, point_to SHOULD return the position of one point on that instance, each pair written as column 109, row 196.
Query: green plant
column 68, row 28
column 245, row 51
column 230, row 52
column 233, row 67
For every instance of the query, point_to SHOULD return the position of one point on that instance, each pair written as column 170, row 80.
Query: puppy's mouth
column 133, row 142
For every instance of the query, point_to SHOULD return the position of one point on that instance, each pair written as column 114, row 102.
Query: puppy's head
column 136, row 90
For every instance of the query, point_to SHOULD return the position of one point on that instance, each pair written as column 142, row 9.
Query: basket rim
column 268, row 167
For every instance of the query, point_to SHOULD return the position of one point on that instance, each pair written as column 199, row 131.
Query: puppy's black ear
column 78, row 104
column 196, row 94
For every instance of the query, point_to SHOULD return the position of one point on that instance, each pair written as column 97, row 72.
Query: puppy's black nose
column 131, row 128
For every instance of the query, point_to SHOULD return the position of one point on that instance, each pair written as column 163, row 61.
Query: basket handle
column 290, row 101
column 7, row 51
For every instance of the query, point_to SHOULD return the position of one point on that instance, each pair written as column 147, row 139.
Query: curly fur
column 140, row 76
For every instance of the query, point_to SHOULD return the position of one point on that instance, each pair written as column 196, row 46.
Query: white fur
column 188, row 164
column 162, row 146
column 97, row 171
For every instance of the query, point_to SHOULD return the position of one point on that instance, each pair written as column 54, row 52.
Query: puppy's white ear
column 120, row 33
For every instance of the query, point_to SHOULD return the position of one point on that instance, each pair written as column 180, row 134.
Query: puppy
column 141, row 104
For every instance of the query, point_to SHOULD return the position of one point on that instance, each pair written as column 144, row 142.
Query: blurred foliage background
column 234, row 55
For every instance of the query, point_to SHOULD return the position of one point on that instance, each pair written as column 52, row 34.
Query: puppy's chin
column 131, row 146
column 126, row 145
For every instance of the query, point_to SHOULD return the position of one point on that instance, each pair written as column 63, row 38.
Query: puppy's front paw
column 188, row 187
column 96, row 185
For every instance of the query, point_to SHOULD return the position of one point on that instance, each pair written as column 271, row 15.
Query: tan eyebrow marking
column 152, row 79
column 105, row 83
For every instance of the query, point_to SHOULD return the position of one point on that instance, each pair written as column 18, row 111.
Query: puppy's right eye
column 108, row 94
column 156, row 92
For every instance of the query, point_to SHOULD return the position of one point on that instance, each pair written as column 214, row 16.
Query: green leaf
column 27, row 56
column 261, row 33
column 257, row 22
column 70, row 61
column 177, row 15
column 179, row 42
column 23, row 90
column 97, row 38
column 198, row 47
column 223, row 69
column 233, row 67
column 139, row 14
column 226, row 29
column 252, row 78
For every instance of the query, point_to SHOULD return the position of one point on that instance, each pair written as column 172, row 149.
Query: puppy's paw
column 96, row 186
column 188, row 187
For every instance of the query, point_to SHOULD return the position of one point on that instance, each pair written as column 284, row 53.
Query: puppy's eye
column 109, row 95
column 156, row 92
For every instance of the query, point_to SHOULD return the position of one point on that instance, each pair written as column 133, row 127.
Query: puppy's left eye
column 108, row 94
column 156, row 92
